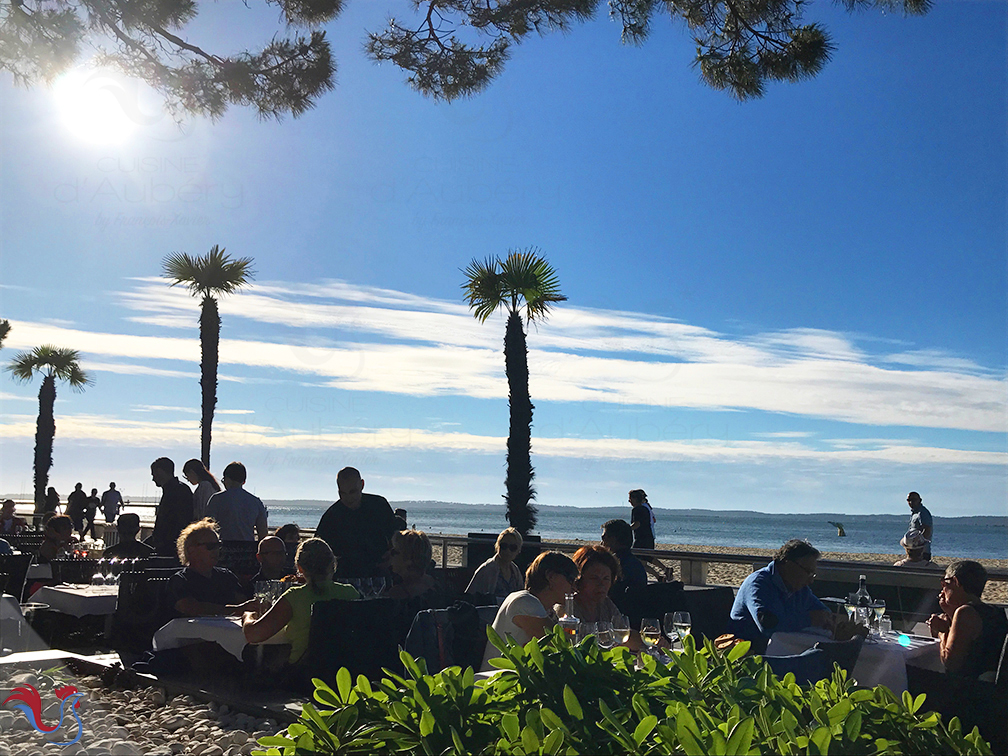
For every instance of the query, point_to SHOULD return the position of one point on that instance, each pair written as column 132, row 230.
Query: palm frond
column 530, row 278
column 60, row 362
column 483, row 288
column 5, row 327
column 213, row 274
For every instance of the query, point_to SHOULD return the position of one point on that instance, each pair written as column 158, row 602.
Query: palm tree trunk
column 521, row 512
column 209, row 347
column 45, row 431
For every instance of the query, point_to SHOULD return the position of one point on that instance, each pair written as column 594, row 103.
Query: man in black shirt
column 128, row 547
column 175, row 510
column 75, row 507
column 357, row 527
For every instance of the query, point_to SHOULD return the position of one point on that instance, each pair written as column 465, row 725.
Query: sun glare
column 93, row 106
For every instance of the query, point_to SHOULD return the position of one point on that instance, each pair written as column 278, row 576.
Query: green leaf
column 644, row 728
column 511, row 725
column 553, row 741
column 457, row 741
column 852, row 725
column 426, row 723
column 718, row 744
column 839, row 711
column 530, row 741
column 468, row 677
column 551, row 720
column 572, row 704
column 364, row 685
column 535, row 654
column 739, row 650
column 820, row 740
column 343, row 684
column 275, row 740
column 918, row 702
column 741, row 737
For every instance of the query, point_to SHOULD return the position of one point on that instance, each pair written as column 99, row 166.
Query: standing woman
column 206, row 486
column 642, row 520
column 528, row 614
column 499, row 575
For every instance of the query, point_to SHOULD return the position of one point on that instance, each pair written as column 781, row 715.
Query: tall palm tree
column 5, row 327
column 521, row 280
column 51, row 363
column 209, row 276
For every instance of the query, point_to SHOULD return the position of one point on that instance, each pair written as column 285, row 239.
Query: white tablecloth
column 79, row 600
column 14, row 625
column 882, row 661
column 224, row 631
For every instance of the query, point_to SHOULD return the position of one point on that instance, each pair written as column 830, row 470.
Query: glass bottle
column 863, row 598
column 567, row 620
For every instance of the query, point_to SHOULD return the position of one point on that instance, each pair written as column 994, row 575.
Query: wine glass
column 261, row 589
column 367, row 590
column 98, row 578
column 878, row 606
column 650, row 632
column 851, row 606
column 683, row 624
column 668, row 625
column 378, row 585
column 604, row 635
column 621, row 630
column 585, row 629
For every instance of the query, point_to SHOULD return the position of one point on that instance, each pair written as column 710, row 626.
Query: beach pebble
column 212, row 750
column 6, row 721
column 24, row 678
column 72, row 749
column 239, row 737
column 124, row 748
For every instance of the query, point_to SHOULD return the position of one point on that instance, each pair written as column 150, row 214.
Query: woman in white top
column 524, row 615
column 499, row 576
column 206, row 486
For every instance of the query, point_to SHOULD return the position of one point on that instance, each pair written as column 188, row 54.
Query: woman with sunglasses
column 971, row 632
column 201, row 588
column 528, row 614
column 499, row 576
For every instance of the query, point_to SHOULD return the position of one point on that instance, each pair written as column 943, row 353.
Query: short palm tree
column 51, row 363
column 521, row 280
column 209, row 276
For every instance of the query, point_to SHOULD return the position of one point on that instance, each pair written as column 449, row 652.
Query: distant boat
column 839, row 528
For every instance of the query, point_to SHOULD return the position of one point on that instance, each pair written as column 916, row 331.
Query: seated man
column 916, row 547
column 779, row 597
column 10, row 523
column 290, row 534
column 618, row 537
column 58, row 537
column 129, row 547
column 272, row 558
column 201, row 588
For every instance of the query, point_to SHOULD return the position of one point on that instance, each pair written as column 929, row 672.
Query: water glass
column 668, row 625
column 604, row 634
column 683, row 624
column 585, row 629
column 885, row 625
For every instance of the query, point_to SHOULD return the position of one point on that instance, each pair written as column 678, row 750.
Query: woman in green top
column 292, row 613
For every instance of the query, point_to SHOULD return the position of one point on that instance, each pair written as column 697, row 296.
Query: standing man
column 175, row 510
column 357, row 527
column 90, row 512
column 240, row 514
column 111, row 502
column 75, row 507
column 920, row 520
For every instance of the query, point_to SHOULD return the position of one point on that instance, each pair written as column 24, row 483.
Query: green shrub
column 555, row 698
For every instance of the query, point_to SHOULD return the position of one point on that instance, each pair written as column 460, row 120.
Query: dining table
column 883, row 659
column 226, row 632
column 79, row 600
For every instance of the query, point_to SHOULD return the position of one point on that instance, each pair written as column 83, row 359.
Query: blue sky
column 794, row 304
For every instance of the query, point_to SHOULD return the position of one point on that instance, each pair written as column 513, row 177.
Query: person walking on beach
column 174, row 511
column 111, row 502
column 357, row 527
column 920, row 520
column 241, row 515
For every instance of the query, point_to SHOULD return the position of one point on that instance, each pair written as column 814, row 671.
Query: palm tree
column 51, row 363
column 522, row 279
column 5, row 327
column 210, row 276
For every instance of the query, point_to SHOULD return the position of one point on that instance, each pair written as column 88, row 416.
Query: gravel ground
column 142, row 721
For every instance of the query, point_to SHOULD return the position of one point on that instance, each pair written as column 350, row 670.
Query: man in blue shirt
column 241, row 515
column 779, row 597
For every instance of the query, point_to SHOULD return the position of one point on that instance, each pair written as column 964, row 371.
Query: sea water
column 976, row 537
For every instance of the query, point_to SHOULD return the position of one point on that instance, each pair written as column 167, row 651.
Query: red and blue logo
column 26, row 698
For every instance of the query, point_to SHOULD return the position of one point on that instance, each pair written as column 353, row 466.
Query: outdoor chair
column 144, row 606
column 15, row 566
column 73, row 571
column 450, row 637
column 240, row 558
column 651, row 600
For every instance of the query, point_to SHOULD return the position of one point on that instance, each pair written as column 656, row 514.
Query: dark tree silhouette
column 51, row 363
column 210, row 276
column 522, row 279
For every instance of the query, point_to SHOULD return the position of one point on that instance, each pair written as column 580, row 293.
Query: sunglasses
column 210, row 545
column 803, row 568
column 947, row 581
column 509, row 547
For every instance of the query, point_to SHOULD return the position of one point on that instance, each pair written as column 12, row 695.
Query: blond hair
column 416, row 547
column 190, row 530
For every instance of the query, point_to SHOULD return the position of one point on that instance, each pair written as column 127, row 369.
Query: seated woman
column 499, row 576
column 598, row 568
column 409, row 561
column 292, row 613
column 528, row 614
column 201, row 588
column 58, row 537
column 971, row 632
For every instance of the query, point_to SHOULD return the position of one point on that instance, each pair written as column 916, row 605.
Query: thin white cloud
column 785, row 434
column 369, row 339
column 84, row 428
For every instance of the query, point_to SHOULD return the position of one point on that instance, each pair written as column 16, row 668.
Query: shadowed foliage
column 522, row 280
column 208, row 276
column 51, row 363
column 450, row 48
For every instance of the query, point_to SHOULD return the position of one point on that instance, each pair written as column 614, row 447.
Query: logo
column 30, row 702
